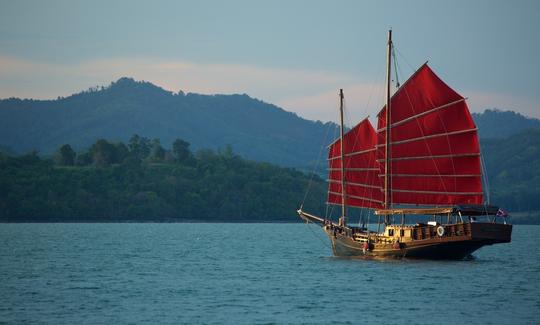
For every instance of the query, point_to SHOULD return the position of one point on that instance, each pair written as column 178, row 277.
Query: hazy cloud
column 311, row 94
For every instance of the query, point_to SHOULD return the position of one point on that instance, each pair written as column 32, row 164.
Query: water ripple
column 250, row 274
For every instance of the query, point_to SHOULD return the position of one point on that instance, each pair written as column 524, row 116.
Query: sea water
column 251, row 274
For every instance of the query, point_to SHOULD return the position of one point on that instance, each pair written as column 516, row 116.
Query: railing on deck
column 455, row 230
column 418, row 233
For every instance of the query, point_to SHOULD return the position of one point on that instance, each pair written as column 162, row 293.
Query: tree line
column 142, row 181
column 104, row 153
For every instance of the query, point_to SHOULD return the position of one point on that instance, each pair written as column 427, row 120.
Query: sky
column 295, row 54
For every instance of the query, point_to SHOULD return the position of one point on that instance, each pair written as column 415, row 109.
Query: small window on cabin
column 402, row 232
column 390, row 232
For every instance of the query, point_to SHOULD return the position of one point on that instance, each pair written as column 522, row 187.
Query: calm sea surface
column 250, row 274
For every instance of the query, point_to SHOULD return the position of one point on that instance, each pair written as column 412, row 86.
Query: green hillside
column 513, row 166
column 115, row 182
column 494, row 123
column 256, row 130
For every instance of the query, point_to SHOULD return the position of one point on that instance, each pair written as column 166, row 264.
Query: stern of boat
column 491, row 233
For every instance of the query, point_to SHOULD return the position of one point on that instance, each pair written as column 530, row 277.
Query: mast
column 387, row 180
column 343, row 219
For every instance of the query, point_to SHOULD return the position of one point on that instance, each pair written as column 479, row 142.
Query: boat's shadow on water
column 471, row 259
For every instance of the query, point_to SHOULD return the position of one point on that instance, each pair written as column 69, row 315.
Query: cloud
column 480, row 100
column 361, row 100
column 367, row 99
column 310, row 94
column 62, row 79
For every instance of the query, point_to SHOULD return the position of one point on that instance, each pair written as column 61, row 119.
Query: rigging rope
column 316, row 165
column 484, row 174
column 407, row 62
column 318, row 237
column 395, row 66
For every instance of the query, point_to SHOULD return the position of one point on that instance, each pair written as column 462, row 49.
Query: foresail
column 362, row 184
column 434, row 149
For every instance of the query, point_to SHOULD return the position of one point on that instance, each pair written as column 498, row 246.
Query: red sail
column 435, row 154
column 363, row 188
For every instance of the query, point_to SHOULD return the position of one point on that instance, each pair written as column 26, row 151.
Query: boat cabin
column 446, row 222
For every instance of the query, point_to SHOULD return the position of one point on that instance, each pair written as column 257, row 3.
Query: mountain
column 512, row 165
column 256, row 130
column 494, row 123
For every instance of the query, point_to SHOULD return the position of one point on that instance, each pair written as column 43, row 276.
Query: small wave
column 83, row 288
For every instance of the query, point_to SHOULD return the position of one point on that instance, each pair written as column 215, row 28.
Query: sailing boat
column 423, row 160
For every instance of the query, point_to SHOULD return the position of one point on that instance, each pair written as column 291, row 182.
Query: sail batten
column 473, row 154
column 355, row 169
column 356, row 184
column 444, row 134
column 433, row 137
column 433, row 175
column 437, row 192
column 355, row 153
column 412, row 118
column 356, row 197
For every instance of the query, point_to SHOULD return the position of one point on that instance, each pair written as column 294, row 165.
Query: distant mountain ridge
column 255, row 129
column 495, row 123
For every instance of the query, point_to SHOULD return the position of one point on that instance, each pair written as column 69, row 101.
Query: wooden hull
column 453, row 246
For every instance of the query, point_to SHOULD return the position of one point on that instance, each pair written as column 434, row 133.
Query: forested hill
column 513, row 166
column 255, row 129
column 494, row 123
column 143, row 181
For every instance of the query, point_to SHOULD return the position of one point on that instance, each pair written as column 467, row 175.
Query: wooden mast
column 343, row 219
column 387, row 180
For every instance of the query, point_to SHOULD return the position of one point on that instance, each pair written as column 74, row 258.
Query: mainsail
column 434, row 149
column 362, row 184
